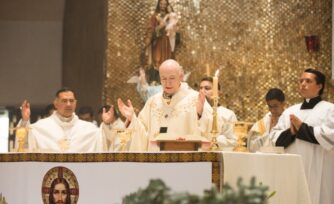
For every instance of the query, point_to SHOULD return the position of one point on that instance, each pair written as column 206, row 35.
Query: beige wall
column 47, row 44
column 30, row 51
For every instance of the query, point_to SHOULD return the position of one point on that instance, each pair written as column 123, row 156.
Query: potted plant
column 158, row 193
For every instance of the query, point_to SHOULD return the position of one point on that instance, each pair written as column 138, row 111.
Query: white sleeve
column 140, row 126
column 282, row 124
column 324, row 133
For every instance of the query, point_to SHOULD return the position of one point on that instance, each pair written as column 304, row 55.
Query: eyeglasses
column 65, row 101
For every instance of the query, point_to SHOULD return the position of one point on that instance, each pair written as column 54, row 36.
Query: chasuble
column 176, row 116
column 57, row 134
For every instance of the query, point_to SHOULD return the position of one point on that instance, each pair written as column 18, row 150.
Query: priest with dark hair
column 307, row 129
column 63, row 131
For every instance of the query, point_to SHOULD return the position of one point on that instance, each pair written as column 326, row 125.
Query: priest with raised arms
column 177, row 111
column 63, row 131
column 307, row 129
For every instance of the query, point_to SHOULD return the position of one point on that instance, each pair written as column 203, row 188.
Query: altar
column 108, row 177
column 283, row 173
column 105, row 177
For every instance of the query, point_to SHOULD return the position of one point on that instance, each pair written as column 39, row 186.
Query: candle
column 215, row 86
column 207, row 70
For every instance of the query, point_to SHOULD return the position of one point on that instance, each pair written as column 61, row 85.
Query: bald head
column 171, row 64
column 171, row 75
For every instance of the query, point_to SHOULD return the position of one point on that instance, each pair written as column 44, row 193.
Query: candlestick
column 214, row 130
column 215, row 98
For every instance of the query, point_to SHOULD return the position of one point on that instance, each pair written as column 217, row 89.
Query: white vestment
column 259, row 133
column 179, row 117
column 262, row 126
column 318, row 159
column 226, row 118
column 54, row 134
column 114, row 141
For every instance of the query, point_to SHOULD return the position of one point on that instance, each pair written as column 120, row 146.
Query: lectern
column 187, row 143
column 179, row 145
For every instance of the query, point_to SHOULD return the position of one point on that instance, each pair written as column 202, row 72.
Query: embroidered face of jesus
column 60, row 193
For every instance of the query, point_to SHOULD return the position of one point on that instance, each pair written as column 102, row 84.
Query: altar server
column 308, row 129
column 226, row 117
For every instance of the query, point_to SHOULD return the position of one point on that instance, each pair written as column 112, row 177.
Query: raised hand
column 126, row 110
column 108, row 116
column 25, row 110
column 200, row 103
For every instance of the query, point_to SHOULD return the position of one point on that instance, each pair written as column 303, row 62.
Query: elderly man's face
column 59, row 194
column 65, row 104
column 170, row 77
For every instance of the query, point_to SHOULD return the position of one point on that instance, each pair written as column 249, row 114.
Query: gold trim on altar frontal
column 112, row 157
column 175, row 157
column 259, row 48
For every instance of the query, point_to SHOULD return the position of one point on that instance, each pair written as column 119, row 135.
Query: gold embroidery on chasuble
column 157, row 112
column 64, row 144
column 163, row 112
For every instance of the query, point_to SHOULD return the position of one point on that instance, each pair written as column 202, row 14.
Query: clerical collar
column 310, row 103
column 63, row 119
column 166, row 95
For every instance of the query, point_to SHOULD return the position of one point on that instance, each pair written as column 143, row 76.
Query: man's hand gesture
column 25, row 111
column 200, row 103
column 126, row 110
column 108, row 116
column 295, row 124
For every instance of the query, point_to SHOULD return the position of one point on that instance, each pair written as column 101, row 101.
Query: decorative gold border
column 215, row 157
